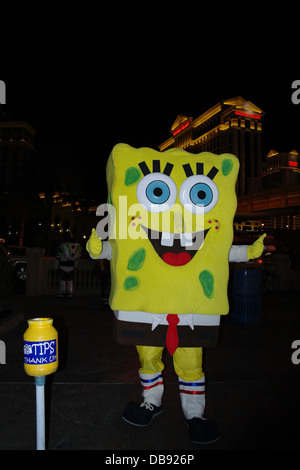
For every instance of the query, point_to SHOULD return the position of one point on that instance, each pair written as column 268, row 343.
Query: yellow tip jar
column 40, row 347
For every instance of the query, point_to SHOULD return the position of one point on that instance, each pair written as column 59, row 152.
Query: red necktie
column 172, row 336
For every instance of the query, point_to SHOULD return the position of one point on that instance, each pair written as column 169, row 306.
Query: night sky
column 88, row 112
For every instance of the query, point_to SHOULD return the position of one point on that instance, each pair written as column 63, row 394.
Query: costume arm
column 57, row 257
column 238, row 254
column 98, row 249
column 106, row 252
column 256, row 249
column 242, row 253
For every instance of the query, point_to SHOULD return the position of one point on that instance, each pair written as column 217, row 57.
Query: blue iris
column 201, row 194
column 158, row 192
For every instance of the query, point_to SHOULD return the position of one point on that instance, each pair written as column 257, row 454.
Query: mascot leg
column 153, row 388
column 70, row 277
column 70, row 288
column 62, row 284
column 62, row 288
column 188, row 367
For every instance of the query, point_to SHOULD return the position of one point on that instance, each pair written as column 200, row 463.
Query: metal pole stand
column 40, row 411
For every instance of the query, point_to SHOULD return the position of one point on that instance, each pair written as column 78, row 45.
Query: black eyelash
column 212, row 173
column 156, row 168
column 199, row 168
column 144, row 168
column 188, row 170
column 168, row 169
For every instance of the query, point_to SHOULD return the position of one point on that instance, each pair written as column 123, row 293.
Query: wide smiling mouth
column 176, row 249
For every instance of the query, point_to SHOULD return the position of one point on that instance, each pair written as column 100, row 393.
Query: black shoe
column 202, row 431
column 141, row 415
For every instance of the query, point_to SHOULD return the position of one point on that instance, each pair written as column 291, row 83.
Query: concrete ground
column 253, row 386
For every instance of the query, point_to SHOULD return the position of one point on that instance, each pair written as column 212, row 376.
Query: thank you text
column 43, row 352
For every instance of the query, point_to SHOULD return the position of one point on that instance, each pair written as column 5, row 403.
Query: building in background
column 281, row 169
column 16, row 148
column 268, row 187
column 232, row 126
column 29, row 215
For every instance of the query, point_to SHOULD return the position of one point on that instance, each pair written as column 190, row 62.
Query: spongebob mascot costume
column 169, row 247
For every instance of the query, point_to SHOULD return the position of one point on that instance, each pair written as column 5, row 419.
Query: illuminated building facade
column 281, row 169
column 268, row 187
column 232, row 126
column 277, row 204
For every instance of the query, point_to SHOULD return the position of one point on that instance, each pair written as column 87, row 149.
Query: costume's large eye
column 157, row 192
column 198, row 194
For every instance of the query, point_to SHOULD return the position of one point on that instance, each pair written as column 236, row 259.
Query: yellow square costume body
column 170, row 240
column 172, row 199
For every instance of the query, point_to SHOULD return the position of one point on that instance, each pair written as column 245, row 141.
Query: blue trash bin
column 246, row 296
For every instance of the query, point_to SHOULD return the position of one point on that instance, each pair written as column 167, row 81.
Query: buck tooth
column 167, row 239
column 186, row 239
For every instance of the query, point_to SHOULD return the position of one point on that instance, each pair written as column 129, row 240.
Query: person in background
column 67, row 259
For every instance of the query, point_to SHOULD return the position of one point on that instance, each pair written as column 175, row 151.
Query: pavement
column 253, row 386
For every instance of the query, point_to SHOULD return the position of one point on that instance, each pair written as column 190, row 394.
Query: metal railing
column 43, row 277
